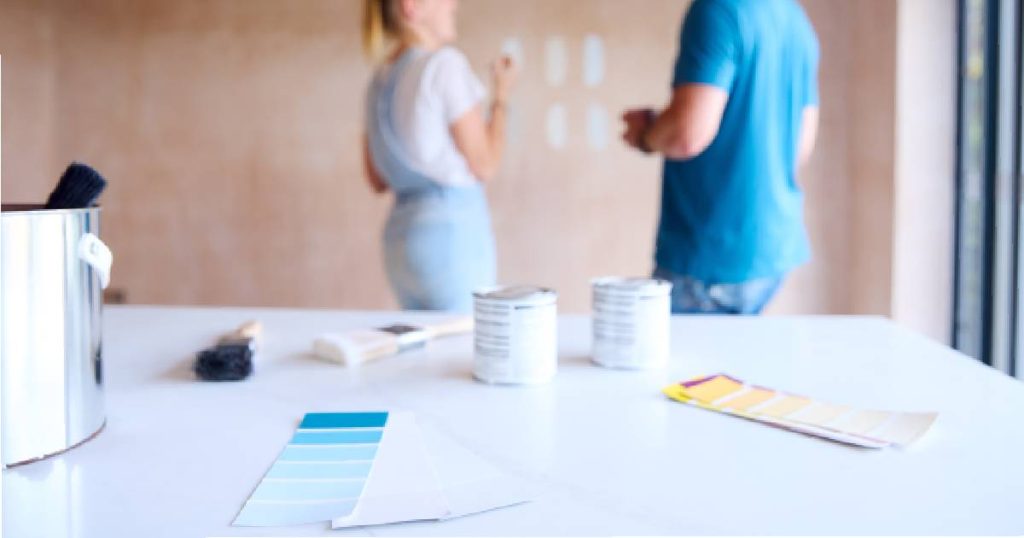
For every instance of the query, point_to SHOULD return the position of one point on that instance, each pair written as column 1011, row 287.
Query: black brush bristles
column 224, row 362
column 79, row 187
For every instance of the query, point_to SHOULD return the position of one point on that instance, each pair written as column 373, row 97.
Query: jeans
column 438, row 248
column 691, row 296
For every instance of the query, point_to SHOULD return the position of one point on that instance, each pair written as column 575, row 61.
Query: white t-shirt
column 435, row 89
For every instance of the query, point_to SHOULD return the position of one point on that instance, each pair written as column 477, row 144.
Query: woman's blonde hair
column 380, row 25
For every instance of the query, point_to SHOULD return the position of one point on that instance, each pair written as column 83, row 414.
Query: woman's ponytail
column 378, row 26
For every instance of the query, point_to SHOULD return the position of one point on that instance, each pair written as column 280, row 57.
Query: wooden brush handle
column 249, row 329
column 450, row 327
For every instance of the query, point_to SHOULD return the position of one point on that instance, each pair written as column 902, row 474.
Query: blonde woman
column 428, row 142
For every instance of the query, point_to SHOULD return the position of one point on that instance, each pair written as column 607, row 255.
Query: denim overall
column 438, row 244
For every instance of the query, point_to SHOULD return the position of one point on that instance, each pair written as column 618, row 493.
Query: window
column 988, row 316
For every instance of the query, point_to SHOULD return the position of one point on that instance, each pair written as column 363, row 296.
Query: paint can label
column 515, row 335
column 631, row 322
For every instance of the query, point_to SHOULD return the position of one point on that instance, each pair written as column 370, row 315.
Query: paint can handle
column 97, row 255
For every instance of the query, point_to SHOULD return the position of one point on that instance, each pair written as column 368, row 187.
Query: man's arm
column 683, row 130
column 808, row 135
column 710, row 43
column 690, row 123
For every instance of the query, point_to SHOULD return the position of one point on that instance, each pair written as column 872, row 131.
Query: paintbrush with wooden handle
column 355, row 347
column 231, row 358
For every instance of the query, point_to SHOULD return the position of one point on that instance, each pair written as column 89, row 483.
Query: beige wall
column 27, row 45
column 922, row 271
column 229, row 130
column 872, row 120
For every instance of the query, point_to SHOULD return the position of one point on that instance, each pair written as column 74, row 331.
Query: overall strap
column 386, row 149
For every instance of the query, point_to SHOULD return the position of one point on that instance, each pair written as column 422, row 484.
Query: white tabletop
column 607, row 453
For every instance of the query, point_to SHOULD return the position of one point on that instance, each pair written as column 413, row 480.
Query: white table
column 606, row 451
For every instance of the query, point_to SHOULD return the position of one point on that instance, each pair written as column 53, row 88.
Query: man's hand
column 637, row 121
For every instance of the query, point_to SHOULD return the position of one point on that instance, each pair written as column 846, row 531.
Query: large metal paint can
column 53, row 268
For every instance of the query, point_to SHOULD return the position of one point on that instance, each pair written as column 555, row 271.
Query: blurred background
column 229, row 131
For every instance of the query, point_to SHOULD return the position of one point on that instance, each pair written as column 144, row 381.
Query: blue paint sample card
column 320, row 474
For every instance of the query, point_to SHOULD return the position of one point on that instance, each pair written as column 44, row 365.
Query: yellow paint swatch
column 676, row 392
column 820, row 414
column 865, row 421
column 783, row 407
column 749, row 399
column 713, row 389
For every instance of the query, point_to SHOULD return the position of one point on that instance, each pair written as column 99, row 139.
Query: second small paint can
column 515, row 335
column 631, row 322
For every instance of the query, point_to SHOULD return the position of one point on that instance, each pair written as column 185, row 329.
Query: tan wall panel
column 229, row 132
column 565, row 215
column 872, row 123
column 29, row 87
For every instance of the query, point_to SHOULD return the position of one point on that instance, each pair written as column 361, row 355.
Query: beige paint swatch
column 865, row 421
column 905, row 428
column 820, row 414
column 783, row 406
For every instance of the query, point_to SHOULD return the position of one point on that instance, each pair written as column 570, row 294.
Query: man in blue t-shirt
column 743, row 118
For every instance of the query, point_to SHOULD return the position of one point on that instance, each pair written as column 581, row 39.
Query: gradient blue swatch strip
column 333, row 437
column 286, row 469
column 344, row 420
column 328, row 453
column 298, row 490
column 320, row 474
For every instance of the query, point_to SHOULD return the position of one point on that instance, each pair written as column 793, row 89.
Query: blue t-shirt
column 735, row 212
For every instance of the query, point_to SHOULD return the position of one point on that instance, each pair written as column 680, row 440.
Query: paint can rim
column 620, row 284
column 519, row 293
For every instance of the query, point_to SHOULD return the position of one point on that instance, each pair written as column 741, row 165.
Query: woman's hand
column 504, row 73
column 482, row 141
column 373, row 177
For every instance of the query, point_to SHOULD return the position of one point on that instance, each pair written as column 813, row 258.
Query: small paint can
column 631, row 322
column 515, row 335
